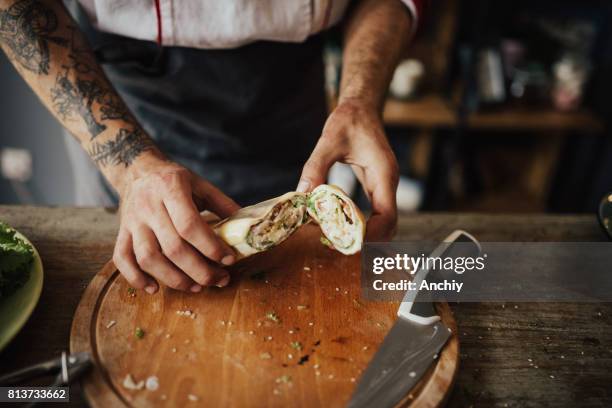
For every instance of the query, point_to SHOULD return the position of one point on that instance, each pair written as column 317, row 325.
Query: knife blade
column 410, row 347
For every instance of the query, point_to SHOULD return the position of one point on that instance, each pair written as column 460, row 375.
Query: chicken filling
column 335, row 218
column 281, row 222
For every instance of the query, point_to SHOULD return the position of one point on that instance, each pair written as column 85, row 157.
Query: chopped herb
column 272, row 316
column 326, row 242
column 131, row 291
column 296, row 345
column 139, row 333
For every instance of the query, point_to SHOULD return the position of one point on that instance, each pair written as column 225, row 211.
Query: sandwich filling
column 335, row 217
column 284, row 218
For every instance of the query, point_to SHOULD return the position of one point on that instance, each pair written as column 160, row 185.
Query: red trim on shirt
column 159, row 22
column 327, row 15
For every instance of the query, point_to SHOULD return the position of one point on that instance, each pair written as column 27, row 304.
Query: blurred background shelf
column 430, row 110
column 434, row 111
column 536, row 119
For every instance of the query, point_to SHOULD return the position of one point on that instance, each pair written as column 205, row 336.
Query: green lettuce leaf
column 16, row 258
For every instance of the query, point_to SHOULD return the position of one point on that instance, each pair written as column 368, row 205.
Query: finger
column 380, row 228
column 190, row 226
column 215, row 200
column 183, row 255
column 315, row 170
column 383, row 222
column 151, row 260
column 125, row 261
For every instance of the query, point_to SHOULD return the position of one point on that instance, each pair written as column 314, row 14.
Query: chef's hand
column 354, row 134
column 162, row 236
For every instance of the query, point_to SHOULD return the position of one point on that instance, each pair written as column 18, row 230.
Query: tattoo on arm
column 126, row 146
column 80, row 89
column 80, row 85
column 77, row 97
column 26, row 29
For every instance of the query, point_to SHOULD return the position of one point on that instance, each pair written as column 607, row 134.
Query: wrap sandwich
column 262, row 226
column 340, row 219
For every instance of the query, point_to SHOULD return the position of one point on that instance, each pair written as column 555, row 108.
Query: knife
column 411, row 345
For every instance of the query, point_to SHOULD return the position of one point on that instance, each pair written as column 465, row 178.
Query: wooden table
column 501, row 344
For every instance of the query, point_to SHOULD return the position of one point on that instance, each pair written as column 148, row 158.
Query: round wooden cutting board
column 290, row 330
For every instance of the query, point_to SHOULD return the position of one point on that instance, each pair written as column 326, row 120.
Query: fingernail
column 303, row 186
column 151, row 289
column 228, row 260
column 223, row 282
column 196, row 288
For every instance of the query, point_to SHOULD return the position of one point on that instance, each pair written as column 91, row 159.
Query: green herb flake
column 273, row 316
column 139, row 333
column 131, row 291
column 296, row 345
column 326, row 242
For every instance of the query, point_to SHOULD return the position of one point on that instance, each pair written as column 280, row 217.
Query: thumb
column 317, row 166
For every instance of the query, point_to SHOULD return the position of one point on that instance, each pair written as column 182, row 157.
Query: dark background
column 465, row 154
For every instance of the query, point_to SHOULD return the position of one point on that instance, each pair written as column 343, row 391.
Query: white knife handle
column 428, row 316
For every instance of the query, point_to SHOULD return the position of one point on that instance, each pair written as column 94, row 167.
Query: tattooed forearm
column 51, row 53
column 81, row 85
column 70, row 98
column 26, row 29
column 127, row 145
column 114, row 108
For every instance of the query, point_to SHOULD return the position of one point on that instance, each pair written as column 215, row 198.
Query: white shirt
column 211, row 24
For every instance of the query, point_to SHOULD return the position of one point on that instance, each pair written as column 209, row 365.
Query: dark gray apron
column 246, row 119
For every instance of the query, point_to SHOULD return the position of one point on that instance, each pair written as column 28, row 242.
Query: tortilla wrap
column 341, row 221
column 262, row 226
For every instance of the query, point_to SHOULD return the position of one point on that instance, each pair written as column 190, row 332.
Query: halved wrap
column 261, row 226
column 340, row 219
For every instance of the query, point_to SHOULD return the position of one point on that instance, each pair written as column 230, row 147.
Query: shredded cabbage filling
column 335, row 217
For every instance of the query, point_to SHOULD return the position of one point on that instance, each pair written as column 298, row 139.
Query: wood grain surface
column 291, row 330
column 571, row 342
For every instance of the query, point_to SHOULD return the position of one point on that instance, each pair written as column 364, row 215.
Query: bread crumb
column 130, row 384
column 152, row 383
